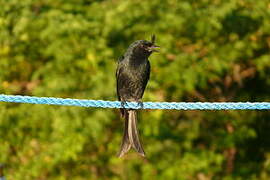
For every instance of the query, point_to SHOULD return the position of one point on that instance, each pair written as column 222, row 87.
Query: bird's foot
column 140, row 103
column 123, row 104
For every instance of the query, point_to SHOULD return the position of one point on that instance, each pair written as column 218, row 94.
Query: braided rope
column 135, row 105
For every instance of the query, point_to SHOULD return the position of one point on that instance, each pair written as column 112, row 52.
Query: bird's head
column 144, row 48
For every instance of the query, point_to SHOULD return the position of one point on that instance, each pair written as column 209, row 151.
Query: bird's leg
column 140, row 103
column 123, row 104
column 122, row 109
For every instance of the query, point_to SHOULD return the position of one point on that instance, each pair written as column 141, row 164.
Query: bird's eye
column 146, row 45
column 143, row 46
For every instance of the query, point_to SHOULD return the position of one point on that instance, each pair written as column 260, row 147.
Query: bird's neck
column 137, row 60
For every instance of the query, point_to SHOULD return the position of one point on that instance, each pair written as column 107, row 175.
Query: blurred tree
column 211, row 51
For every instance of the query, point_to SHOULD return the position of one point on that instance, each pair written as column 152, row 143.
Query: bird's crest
column 153, row 39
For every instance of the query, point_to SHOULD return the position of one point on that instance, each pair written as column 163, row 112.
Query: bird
column 132, row 75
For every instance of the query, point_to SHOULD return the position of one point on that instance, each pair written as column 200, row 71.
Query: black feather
column 132, row 74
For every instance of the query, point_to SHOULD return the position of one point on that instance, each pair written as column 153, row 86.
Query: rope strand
column 135, row 105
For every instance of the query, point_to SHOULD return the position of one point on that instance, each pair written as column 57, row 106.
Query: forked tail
column 131, row 135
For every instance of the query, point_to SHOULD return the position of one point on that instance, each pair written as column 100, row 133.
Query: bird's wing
column 118, row 72
column 147, row 76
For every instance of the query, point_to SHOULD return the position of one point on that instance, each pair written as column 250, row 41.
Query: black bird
column 132, row 75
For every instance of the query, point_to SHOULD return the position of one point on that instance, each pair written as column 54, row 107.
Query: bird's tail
column 131, row 135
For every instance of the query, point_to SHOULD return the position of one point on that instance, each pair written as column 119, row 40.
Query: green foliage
column 211, row 51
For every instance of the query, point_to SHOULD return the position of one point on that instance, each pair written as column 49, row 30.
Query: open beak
column 154, row 48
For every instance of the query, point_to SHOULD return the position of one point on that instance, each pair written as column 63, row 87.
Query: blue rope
column 134, row 105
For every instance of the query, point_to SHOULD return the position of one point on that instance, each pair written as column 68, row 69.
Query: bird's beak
column 153, row 48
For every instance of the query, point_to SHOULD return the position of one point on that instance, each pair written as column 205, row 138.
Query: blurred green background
column 212, row 50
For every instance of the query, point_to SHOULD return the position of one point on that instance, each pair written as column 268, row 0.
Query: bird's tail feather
column 125, row 146
column 131, row 135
